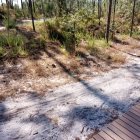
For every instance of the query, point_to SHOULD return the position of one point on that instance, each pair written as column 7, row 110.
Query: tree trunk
column 31, row 12
column 21, row 4
column 99, row 11
column 114, row 14
column 93, row 6
column 133, row 15
column 109, row 20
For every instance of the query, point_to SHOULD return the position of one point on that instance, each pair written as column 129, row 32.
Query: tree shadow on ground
column 88, row 115
column 91, row 89
column 85, row 114
column 92, row 118
column 117, row 40
column 3, row 118
column 135, row 70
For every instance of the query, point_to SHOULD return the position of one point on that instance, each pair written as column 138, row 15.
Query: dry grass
column 35, row 70
column 52, row 66
column 118, row 58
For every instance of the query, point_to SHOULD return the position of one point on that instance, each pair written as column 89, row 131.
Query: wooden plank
column 136, row 113
column 125, row 131
column 133, row 115
column 92, row 139
column 136, row 109
column 130, row 123
column 118, row 132
column 132, row 119
column 137, row 106
column 105, row 136
column 128, row 127
column 111, row 134
column 97, row 137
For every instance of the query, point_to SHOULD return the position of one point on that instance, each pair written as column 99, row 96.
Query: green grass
column 12, row 45
column 101, row 43
column 136, row 35
column 9, row 24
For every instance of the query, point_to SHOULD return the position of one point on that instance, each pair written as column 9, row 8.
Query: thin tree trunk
column 114, row 15
column 133, row 15
column 99, row 11
column 32, row 16
column 8, row 16
column 93, row 6
column 78, row 4
column 109, row 20
column 21, row 4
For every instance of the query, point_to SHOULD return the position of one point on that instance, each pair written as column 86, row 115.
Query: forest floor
column 77, row 110
column 49, row 67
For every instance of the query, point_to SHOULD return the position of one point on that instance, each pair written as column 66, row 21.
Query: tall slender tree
column 108, row 20
column 32, row 16
column 133, row 16
column 114, row 15
column 99, row 10
column 21, row 4
column 93, row 6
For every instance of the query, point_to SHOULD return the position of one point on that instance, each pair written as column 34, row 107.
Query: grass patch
column 12, row 45
column 101, row 43
column 9, row 24
column 118, row 58
column 136, row 35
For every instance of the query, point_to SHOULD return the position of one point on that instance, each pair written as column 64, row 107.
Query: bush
column 70, row 42
column 54, row 33
column 12, row 45
column 9, row 25
column 71, row 29
column 64, row 34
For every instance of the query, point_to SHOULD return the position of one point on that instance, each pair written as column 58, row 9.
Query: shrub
column 9, row 24
column 12, row 45
column 101, row 43
column 54, row 33
column 70, row 42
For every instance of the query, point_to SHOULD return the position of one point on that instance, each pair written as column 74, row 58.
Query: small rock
column 30, row 84
column 53, row 65
column 35, row 133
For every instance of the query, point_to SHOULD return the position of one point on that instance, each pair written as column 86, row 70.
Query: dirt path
column 74, row 110
column 2, row 28
column 71, row 111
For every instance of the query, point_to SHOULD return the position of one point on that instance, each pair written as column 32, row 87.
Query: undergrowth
column 12, row 45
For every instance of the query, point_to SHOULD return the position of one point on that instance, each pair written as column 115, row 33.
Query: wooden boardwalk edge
column 126, row 127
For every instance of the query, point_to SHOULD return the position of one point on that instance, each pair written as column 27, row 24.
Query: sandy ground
column 2, row 28
column 72, row 111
